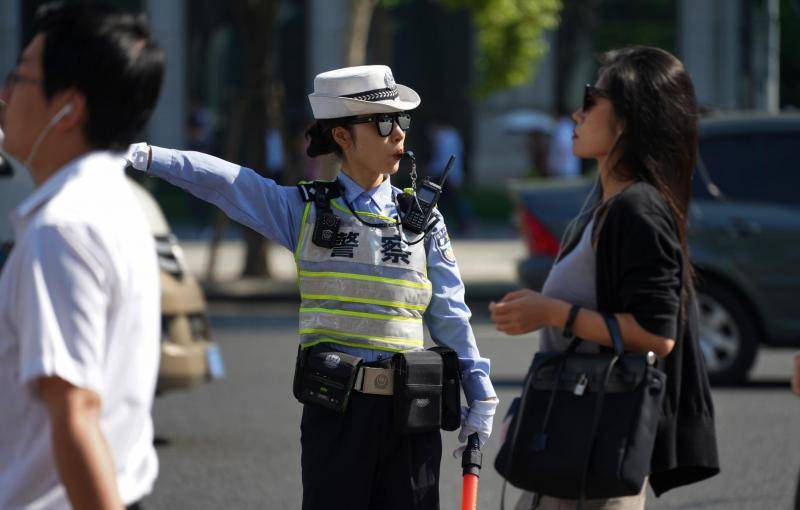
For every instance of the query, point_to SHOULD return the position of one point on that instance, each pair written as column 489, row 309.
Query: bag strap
column 613, row 329
column 615, row 332
column 616, row 339
column 515, row 434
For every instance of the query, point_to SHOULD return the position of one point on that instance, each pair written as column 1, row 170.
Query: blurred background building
column 238, row 64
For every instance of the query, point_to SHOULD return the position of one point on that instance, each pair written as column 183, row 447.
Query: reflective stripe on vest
column 369, row 291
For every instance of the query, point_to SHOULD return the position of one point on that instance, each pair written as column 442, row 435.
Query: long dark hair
column 653, row 96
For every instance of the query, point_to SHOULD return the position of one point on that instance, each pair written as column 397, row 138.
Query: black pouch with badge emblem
column 324, row 377
column 417, row 391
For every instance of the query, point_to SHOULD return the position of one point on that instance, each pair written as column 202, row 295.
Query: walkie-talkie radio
column 418, row 216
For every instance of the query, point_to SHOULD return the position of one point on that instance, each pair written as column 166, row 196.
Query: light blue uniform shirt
column 276, row 212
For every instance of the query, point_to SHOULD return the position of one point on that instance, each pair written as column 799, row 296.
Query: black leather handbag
column 586, row 423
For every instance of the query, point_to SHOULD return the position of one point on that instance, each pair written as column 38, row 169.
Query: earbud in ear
column 60, row 114
column 64, row 111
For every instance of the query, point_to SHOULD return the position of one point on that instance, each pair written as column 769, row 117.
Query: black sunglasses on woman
column 384, row 122
column 590, row 93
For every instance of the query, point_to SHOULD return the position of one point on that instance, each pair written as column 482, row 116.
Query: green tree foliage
column 510, row 36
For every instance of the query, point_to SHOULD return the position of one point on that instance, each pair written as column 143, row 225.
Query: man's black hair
column 108, row 55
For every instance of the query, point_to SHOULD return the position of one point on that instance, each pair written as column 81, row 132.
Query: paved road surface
column 235, row 444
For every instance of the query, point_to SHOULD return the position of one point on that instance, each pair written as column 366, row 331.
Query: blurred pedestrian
column 200, row 138
column 627, row 255
column 79, row 293
column 365, row 286
column 561, row 162
column 445, row 141
column 200, row 128
column 275, row 162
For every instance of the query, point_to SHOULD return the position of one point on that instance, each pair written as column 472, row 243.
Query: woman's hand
column 522, row 311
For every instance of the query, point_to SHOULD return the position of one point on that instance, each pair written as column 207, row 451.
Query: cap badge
column 388, row 79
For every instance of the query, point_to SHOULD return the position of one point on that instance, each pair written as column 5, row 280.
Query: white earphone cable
column 63, row 112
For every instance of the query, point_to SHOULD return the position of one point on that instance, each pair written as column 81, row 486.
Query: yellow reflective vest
column 369, row 291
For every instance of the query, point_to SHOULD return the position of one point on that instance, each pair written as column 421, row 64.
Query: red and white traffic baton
column 471, row 463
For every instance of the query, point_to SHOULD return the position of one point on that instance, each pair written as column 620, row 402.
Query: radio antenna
column 447, row 169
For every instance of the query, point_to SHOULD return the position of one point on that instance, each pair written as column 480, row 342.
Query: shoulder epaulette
column 309, row 190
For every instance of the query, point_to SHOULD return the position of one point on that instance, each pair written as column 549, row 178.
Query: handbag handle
column 614, row 330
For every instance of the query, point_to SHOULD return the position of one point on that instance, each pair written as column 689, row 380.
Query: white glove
column 476, row 418
column 138, row 155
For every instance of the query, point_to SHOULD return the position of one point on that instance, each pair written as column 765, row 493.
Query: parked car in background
column 744, row 236
column 188, row 356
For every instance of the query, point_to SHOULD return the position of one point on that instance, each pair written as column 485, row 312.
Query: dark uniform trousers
column 355, row 460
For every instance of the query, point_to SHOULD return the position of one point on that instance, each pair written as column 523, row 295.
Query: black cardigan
column 639, row 267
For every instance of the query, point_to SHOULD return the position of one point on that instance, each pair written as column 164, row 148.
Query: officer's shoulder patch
column 448, row 254
column 441, row 236
column 443, row 244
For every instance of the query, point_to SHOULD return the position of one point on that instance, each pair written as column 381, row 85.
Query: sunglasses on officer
column 384, row 122
column 590, row 95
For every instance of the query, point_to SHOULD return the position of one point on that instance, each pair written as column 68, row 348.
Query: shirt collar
column 380, row 195
column 58, row 181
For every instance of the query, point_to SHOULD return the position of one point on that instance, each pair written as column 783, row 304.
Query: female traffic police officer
column 365, row 288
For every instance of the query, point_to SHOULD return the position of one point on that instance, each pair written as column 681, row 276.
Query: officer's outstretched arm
column 243, row 195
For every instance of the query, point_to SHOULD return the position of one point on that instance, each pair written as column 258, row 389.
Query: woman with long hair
column 627, row 255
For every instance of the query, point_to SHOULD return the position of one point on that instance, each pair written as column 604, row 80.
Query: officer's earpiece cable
column 367, row 223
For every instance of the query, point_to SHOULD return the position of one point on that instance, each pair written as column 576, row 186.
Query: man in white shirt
column 79, row 293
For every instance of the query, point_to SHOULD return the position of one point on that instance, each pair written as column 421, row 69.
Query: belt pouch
column 451, row 388
column 417, row 391
column 326, row 378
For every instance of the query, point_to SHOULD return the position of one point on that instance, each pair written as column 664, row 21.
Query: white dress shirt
column 79, row 300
